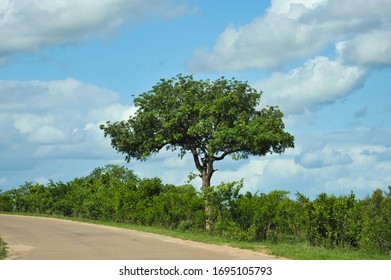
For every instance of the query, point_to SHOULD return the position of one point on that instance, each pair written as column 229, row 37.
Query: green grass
column 290, row 250
column 302, row 251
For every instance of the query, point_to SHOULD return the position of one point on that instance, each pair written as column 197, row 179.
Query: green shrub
column 3, row 249
column 114, row 193
column 376, row 222
column 333, row 221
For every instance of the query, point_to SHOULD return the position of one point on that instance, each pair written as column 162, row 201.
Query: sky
column 68, row 66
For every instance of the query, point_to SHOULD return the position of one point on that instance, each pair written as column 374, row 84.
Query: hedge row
column 115, row 193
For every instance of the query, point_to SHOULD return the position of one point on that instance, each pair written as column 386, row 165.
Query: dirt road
column 36, row 238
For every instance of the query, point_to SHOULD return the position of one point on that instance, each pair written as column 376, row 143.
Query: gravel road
column 37, row 238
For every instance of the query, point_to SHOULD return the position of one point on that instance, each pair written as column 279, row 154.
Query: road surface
column 37, row 238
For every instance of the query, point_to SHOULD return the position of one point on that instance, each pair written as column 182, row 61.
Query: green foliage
column 221, row 200
column 209, row 119
column 252, row 217
column 3, row 249
column 180, row 207
column 6, row 203
column 376, row 222
column 114, row 193
column 333, row 221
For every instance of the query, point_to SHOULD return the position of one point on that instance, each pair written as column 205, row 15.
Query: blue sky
column 68, row 66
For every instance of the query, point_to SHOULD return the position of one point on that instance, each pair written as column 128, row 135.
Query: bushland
column 115, row 193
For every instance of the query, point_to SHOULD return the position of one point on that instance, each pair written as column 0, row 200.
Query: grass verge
column 290, row 250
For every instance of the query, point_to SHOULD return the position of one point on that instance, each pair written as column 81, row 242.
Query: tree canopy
column 209, row 119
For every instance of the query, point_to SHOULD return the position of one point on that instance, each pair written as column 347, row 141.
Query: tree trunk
column 206, row 176
column 208, row 207
column 205, row 167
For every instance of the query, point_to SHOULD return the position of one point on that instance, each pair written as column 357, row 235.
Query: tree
column 376, row 221
column 209, row 119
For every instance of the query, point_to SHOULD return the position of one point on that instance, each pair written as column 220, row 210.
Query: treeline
column 115, row 193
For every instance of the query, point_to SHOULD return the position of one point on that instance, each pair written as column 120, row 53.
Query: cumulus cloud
column 319, row 80
column 327, row 156
column 295, row 29
column 370, row 49
column 334, row 162
column 55, row 120
column 350, row 162
column 381, row 154
column 27, row 25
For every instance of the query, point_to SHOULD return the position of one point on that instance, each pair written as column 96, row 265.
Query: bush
column 3, row 249
column 6, row 203
column 376, row 222
column 114, row 193
column 332, row 221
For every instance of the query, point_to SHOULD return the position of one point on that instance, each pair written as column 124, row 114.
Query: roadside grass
column 3, row 249
column 285, row 249
column 303, row 251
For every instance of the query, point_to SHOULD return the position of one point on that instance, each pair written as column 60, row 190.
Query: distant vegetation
column 115, row 193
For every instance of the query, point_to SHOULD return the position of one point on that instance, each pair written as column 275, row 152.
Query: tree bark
column 205, row 167
column 206, row 176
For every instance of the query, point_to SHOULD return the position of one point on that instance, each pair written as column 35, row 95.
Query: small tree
column 209, row 119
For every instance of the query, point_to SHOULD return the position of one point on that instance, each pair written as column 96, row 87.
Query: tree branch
column 226, row 154
column 196, row 159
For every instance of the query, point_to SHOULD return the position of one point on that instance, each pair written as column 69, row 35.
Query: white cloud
column 261, row 44
column 28, row 25
column 327, row 156
column 295, row 29
column 355, row 160
column 369, row 49
column 55, row 120
column 252, row 170
column 293, row 7
column 319, row 80
column 27, row 122
column 174, row 162
column 48, row 135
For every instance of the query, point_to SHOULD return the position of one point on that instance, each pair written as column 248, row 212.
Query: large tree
column 209, row 119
